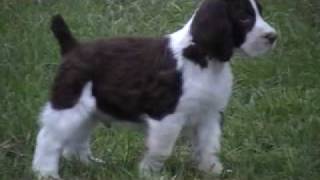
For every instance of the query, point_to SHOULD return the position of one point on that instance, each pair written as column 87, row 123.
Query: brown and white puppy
column 180, row 80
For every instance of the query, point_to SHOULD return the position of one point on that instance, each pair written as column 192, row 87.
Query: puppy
column 176, row 81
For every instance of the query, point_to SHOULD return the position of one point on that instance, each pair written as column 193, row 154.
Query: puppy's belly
column 110, row 121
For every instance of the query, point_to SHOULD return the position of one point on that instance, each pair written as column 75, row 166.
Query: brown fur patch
column 130, row 76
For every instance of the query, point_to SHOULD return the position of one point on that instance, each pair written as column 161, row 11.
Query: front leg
column 161, row 139
column 206, row 142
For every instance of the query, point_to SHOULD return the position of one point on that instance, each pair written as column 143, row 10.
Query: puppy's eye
column 245, row 21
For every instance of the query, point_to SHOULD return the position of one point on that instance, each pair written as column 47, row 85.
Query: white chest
column 205, row 88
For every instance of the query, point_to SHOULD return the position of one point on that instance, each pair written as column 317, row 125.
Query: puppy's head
column 252, row 34
column 221, row 26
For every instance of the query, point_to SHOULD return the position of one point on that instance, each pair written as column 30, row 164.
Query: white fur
column 64, row 132
column 256, row 43
column 179, row 41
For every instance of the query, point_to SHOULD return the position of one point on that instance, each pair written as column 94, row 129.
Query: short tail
column 61, row 31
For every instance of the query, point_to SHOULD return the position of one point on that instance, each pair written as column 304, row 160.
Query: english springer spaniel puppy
column 182, row 80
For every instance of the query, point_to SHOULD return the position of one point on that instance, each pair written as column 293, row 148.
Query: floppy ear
column 211, row 32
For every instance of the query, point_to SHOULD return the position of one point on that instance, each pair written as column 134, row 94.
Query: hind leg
column 78, row 146
column 47, row 153
column 60, row 130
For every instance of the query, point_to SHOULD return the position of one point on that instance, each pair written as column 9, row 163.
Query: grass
column 272, row 124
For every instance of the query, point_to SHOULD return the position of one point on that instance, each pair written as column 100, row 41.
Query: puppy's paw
column 45, row 172
column 212, row 166
column 149, row 169
column 96, row 160
column 47, row 176
column 84, row 155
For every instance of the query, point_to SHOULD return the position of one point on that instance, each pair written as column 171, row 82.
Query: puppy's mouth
column 256, row 52
column 242, row 53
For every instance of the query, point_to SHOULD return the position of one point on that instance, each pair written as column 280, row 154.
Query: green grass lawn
column 272, row 127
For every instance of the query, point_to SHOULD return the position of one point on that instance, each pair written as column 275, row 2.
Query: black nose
column 272, row 37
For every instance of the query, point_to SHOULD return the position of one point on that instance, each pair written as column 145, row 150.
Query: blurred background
column 272, row 124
